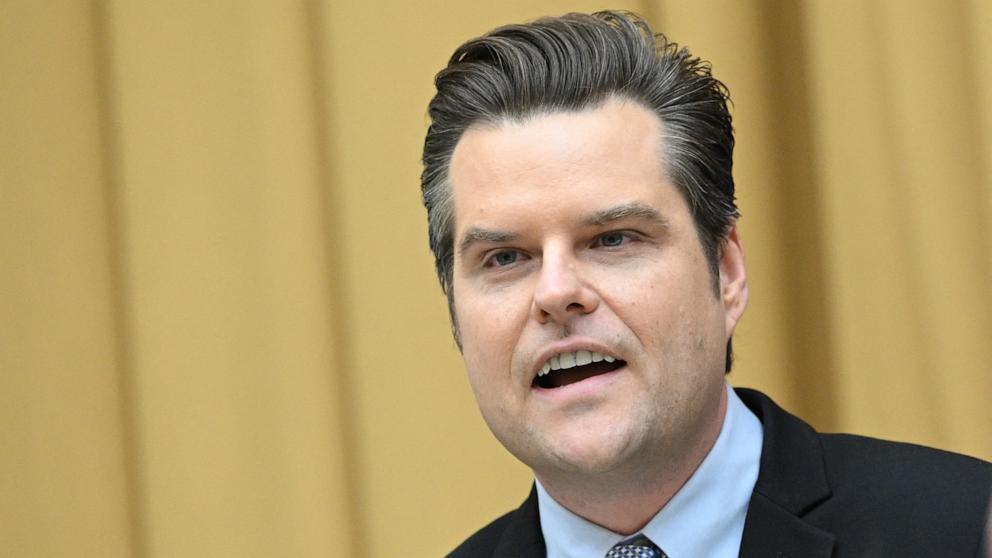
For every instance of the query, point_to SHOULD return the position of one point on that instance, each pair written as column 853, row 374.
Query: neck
column 625, row 500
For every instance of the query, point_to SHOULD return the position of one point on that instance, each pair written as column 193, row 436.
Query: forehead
column 617, row 130
column 606, row 154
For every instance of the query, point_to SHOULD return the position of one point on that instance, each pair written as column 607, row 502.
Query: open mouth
column 564, row 377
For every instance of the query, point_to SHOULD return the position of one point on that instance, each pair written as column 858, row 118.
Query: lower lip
column 590, row 387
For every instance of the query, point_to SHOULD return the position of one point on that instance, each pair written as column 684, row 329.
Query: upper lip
column 567, row 346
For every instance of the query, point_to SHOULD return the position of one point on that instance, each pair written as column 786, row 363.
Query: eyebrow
column 599, row 218
column 624, row 211
column 476, row 234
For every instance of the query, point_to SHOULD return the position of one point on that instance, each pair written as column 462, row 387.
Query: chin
column 587, row 451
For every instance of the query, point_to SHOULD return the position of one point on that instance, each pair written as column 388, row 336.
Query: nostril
column 574, row 306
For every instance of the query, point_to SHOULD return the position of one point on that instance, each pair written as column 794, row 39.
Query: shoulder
column 861, row 463
column 906, row 479
column 484, row 541
column 877, row 460
column 893, row 498
column 876, row 497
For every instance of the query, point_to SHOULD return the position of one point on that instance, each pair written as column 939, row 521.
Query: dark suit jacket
column 821, row 495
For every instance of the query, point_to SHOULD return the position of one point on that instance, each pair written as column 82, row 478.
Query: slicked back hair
column 576, row 62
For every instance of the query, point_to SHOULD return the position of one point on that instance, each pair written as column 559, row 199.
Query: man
column 581, row 212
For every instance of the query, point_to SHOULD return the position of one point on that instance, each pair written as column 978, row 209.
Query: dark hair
column 574, row 62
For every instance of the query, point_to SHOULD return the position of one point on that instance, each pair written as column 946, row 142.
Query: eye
column 613, row 239
column 502, row 258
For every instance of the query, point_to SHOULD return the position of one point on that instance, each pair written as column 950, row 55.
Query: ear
column 733, row 279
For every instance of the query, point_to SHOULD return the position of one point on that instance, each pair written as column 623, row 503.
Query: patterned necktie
column 637, row 546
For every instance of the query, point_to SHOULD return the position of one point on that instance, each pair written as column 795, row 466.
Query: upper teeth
column 571, row 360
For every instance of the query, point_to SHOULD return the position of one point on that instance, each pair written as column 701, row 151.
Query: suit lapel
column 792, row 481
column 522, row 537
column 772, row 531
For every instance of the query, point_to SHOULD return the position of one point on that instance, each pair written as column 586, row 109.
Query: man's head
column 581, row 214
column 571, row 63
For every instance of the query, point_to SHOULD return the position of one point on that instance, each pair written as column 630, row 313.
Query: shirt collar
column 704, row 518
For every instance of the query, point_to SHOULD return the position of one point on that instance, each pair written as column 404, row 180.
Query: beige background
column 220, row 332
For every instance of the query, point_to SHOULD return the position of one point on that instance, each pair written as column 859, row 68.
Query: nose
column 561, row 293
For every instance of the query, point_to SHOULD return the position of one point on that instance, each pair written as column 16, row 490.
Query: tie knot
column 637, row 546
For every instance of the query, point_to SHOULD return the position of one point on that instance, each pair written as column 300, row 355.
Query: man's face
column 572, row 245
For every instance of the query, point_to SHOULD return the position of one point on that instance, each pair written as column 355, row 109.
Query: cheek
column 489, row 329
column 644, row 297
column 667, row 309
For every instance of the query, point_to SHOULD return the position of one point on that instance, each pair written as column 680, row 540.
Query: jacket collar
column 522, row 537
column 791, row 482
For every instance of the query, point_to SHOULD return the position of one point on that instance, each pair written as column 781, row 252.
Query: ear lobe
column 733, row 279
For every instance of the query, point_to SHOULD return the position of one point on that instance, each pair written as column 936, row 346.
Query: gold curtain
column 220, row 333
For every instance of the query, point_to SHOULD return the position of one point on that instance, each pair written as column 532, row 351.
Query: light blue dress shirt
column 704, row 518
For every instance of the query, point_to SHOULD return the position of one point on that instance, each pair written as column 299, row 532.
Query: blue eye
column 505, row 258
column 612, row 239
